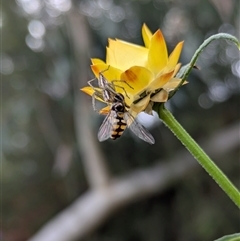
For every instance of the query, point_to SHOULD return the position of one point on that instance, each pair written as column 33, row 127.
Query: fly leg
column 125, row 82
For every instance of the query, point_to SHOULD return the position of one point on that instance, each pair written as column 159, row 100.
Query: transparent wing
column 105, row 129
column 138, row 129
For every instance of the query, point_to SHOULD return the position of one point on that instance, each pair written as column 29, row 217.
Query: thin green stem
column 189, row 66
column 199, row 154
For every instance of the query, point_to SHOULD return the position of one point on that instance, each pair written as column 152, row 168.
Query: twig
column 93, row 161
column 92, row 208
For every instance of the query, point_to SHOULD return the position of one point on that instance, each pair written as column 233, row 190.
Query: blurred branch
column 62, row 152
column 47, row 125
column 224, row 8
column 92, row 208
column 93, row 161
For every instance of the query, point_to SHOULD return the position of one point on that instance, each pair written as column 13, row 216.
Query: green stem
column 189, row 67
column 199, row 155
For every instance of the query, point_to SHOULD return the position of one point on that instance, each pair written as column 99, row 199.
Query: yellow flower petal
column 174, row 56
column 160, row 81
column 177, row 67
column 110, row 57
column 148, row 109
column 161, row 96
column 137, row 78
column 109, row 72
column 128, row 99
column 147, row 35
column 123, row 55
column 158, row 55
column 105, row 110
column 90, row 91
column 129, row 44
column 139, row 106
column 97, row 61
column 172, row 84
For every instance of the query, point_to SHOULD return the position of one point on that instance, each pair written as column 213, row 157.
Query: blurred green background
column 45, row 60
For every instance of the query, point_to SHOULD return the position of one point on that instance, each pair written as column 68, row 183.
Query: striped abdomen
column 119, row 125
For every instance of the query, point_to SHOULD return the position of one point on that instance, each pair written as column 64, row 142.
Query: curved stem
column 199, row 155
column 189, row 66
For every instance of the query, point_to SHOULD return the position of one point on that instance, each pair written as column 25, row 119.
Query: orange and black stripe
column 119, row 126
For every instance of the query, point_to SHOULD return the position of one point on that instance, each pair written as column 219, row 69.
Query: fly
column 118, row 119
column 106, row 90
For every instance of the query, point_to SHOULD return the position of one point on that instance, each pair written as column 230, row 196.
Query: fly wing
column 105, row 129
column 138, row 129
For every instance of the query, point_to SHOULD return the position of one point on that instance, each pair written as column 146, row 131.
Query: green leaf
column 231, row 237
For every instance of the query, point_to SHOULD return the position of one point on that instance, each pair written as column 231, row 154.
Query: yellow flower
column 146, row 74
